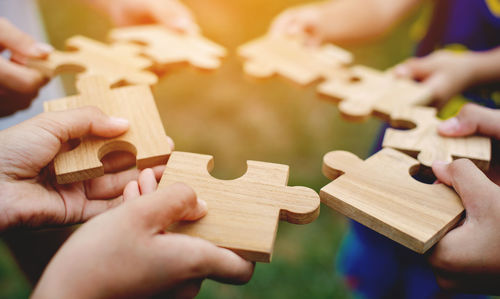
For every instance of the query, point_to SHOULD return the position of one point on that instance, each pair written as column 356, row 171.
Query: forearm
column 485, row 67
column 350, row 21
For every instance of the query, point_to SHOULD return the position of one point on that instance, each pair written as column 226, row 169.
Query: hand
column 444, row 72
column 467, row 258
column 305, row 22
column 171, row 13
column 474, row 119
column 125, row 253
column 19, row 85
column 30, row 196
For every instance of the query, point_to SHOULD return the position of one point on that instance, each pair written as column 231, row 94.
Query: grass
column 235, row 118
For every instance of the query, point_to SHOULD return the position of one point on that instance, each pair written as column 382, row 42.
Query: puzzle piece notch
column 270, row 55
column 166, row 47
column 380, row 194
column 243, row 213
column 366, row 91
column 120, row 64
column 145, row 138
column 424, row 142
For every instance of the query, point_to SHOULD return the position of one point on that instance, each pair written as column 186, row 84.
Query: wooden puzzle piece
column 288, row 57
column 368, row 91
column 424, row 142
column 243, row 213
column 167, row 47
column 145, row 138
column 119, row 64
column 380, row 194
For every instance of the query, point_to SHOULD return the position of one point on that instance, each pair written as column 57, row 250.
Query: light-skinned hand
column 125, row 253
column 444, row 72
column 19, row 85
column 171, row 13
column 30, row 196
column 467, row 259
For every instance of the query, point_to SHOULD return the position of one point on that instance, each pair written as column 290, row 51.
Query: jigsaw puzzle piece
column 166, row 47
column 120, row 64
column 363, row 92
column 243, row 213
column 146, row 137
column 381, row 194
column 268, row 56
column 424, row 142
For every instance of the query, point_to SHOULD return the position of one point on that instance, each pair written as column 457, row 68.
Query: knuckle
column 457, row 166
column 468, row 110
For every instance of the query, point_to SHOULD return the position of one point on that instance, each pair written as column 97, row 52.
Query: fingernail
column 202, row 204
column 402, row 71
column 440, row 163
column 122, row 122
column 451, row 125
column 41, row 49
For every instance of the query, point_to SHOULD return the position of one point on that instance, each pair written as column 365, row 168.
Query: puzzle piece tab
column 145, row 138
column 288, row 57
column 119, row 64
column 243, row 213
column 425, row 143
column 166, row 47
column 380, row 194
column 369, row 92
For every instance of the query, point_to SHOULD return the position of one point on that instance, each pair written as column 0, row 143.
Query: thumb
column 472, row 119
column 414, row 68
column 468, row 181
column 169, row 205
column 79, row 122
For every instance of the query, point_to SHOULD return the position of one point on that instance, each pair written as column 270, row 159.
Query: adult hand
column 31, row 197
column 19, row 85
column 444, row 72
column 467, row 258
column 171, row 13
column 125, row 253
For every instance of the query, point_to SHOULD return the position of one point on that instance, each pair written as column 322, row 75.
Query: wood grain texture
column 166, row 47
column 424, row 142
column 145, row 138
column 119, row 64
column 380, row 194
column 369, row 92
column 243, row 213
column 268, row 56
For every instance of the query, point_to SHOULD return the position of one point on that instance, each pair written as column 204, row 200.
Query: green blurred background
column 236, row 118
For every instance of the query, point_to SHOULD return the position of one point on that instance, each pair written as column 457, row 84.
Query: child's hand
column 446, row 73
column 467, row 258
column 304, row 22
column 125, row 253
column 29, row 195
column 19, row 85
column 171, row 13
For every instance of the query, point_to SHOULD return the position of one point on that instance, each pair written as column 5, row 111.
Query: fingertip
column 440, row 170
column 171, row 143
column 121, row 124
column 202, row 206
column 158, row 171
column 131, row 191
column 402, row 71
column 147, row 181
column 449, row 127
